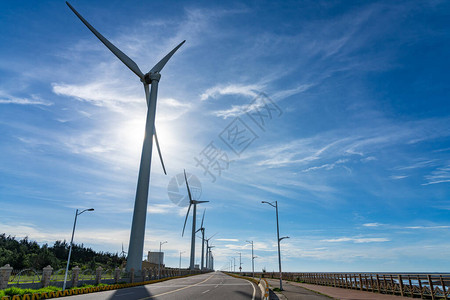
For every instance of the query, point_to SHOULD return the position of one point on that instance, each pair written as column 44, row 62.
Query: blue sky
column 356, row 150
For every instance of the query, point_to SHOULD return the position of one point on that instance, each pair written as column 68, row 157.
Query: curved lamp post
column 278, row 239
column 159, row 259
column 253, row 257
column 71, row 242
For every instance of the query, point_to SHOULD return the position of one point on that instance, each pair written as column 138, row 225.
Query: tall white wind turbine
column 136, row 246
column 194, row 217
column 202, row 229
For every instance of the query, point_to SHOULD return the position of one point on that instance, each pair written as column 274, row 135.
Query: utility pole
column 240, row 263
column 253, row 257
column 159, row 259
column 71, row 243
column 179, row 268
column 278, row 240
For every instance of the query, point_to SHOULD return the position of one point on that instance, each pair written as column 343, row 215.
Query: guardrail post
column 116, row 275
column 46, row 275
column 443, row 287
column 98, row 275
column 5, row 273
column 378, row 284
column 400, row 282
column 75, row 274
column 420, row 287
column 430, row 282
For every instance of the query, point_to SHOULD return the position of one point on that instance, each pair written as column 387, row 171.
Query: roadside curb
column 88, row 290
column 262, row 284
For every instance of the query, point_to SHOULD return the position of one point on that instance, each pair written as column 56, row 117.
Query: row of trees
column 23, row 254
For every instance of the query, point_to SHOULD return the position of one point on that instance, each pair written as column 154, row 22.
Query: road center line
column 170, row 292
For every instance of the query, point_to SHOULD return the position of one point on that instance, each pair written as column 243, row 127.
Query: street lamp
column 179, row 269
column 159, row 259
column 240, row 263
column 253, row 264
column 278, row 239
column 71, row 241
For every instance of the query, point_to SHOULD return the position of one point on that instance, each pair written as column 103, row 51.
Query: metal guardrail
column 431, row 286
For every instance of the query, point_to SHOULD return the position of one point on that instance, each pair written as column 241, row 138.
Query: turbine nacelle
column 149, row 77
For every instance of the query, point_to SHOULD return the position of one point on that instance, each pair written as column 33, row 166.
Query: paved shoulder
column 295, row 292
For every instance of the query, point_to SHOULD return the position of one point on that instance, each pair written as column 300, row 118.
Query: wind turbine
column 210, row 257
column 194, row 216
column 123, row 252
column 136, row 246
column 202, row 229
column 208, row 249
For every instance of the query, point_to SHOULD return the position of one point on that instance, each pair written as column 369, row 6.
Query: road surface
column 214, row 285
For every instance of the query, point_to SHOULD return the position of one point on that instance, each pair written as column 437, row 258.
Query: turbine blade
column 159, row 150
column 120, row 55
column 160, row 65
column 187, row 185
column 189, row 208
column 197, row 202
column 203, row 218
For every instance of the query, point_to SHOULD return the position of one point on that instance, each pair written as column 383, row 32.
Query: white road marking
column 254, row 291
column 205, row 291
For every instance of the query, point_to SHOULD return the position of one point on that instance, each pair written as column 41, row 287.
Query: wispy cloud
column 34, row 100
column 231, row 89
column 440, row 175
column 428, row 227
column 228, row 240
column 397, row 177
column 372, row 224
column 327, row 167
column 357, row 240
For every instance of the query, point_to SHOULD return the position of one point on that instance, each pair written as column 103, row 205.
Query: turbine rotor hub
column 149, row 77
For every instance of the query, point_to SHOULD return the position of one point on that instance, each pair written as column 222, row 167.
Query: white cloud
column 356, row 240
column 372, row 224
column 231, row 89
column 35, row 100
column 396, row 177
column 428, row 227
column 440, row 175
column 228, row 240
column 170, row 109
column 110, row 94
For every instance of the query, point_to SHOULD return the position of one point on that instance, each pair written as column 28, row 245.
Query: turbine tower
column 208, row 249
column 194, row 216
column 202, row 229
column 136, row 245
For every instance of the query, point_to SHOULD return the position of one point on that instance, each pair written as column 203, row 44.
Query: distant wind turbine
column 202, row 229
column 194, row 216
column 123, row 253
column 208, row 249
column 136, row 246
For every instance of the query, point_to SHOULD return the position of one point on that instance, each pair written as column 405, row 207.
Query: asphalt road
column 214, row 285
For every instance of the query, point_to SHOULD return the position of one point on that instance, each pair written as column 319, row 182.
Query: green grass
column 18, row 291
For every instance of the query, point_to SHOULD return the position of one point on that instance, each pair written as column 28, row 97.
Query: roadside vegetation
column 24, row 254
